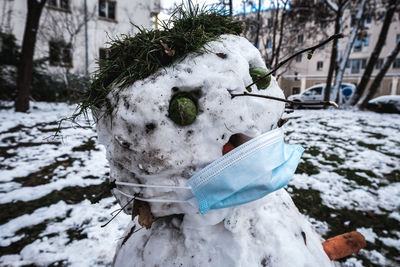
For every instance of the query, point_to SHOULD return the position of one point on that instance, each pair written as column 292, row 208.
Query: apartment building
column 66, row 40
column 302, row 73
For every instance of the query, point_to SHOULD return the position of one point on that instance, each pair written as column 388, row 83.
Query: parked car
column 385, row 104
column 316, row 94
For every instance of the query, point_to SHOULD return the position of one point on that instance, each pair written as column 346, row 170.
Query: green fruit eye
column 257, row 73
column 182, row 110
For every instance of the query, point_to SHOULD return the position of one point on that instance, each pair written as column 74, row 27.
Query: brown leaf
column 170, row 52
column 221, row 55
column 142, row 209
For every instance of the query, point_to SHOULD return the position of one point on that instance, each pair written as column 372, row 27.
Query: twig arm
column 331, row 103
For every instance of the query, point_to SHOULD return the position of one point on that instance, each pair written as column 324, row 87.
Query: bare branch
column 287, row 101
column 332, row 5
column 311, row 49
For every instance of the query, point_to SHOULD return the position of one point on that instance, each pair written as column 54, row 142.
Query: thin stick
column 104, row 225
column 288, row 101
column 335, row 36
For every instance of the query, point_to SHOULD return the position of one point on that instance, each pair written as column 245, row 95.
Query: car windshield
column 314, row 91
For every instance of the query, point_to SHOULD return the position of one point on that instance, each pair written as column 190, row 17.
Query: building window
column 396, row 63
column 367, row 19
column 356, row 65
column 295, row 90
column 298, row 58
column 269, row 43
column 360, row 42
column 60, row 54
column 60, row 4
column 353, row 20
column 269, row 22
column 300, row 38
column 379, row 63
column 107, row 9
column 320, row 65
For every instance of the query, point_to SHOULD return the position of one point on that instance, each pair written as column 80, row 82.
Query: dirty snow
column 358, row 152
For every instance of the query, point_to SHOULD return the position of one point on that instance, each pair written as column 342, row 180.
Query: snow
column 332, row 132
column 368, row 233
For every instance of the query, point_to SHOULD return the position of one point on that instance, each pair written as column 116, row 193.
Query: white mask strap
column 154, row 200
column 153, row 186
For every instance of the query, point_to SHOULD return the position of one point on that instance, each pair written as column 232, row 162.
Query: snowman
column 202, row 173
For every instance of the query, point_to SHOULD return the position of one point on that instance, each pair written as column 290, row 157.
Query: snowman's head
column 147, row 142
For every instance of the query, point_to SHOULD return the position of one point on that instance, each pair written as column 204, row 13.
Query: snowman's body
column 145, row 146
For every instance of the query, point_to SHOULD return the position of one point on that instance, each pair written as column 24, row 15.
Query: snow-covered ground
column 349, row 179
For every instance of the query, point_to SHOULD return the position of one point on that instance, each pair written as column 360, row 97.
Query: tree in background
column 25, row 65
column 62, row 30
column 391, row 7
column 276, row 30
column 342, row 59
column 379, row 77
column 338, row 9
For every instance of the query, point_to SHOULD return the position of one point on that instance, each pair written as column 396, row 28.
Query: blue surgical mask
column 249, row 172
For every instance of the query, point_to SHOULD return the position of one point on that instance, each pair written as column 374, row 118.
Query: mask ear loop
column 152, row 200
column 153, row 186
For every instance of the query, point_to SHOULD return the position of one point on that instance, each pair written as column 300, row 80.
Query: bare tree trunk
column 259, row 23
column 349, row 46
column 377, row 50
column 278, row 48
column 28, row 48
column 332, row 65
column 275, row 26
column 378, row 79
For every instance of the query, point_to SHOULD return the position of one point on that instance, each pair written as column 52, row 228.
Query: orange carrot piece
column 344, row 245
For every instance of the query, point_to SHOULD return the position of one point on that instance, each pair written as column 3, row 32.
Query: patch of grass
column 369, row 146
column 329, row 127
column 21, row 127
column 375, row 135
column 393, row 176
column 351, row 174
column 60, row 263
column 70, row 195
column 4, row 149
column 88, row 145
column 307, row 167
column 31, row 233
column 44, row 175
column 133, row 58
column 313, row 150
column 309, row 202
column 334, row 158
column 75, row 233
